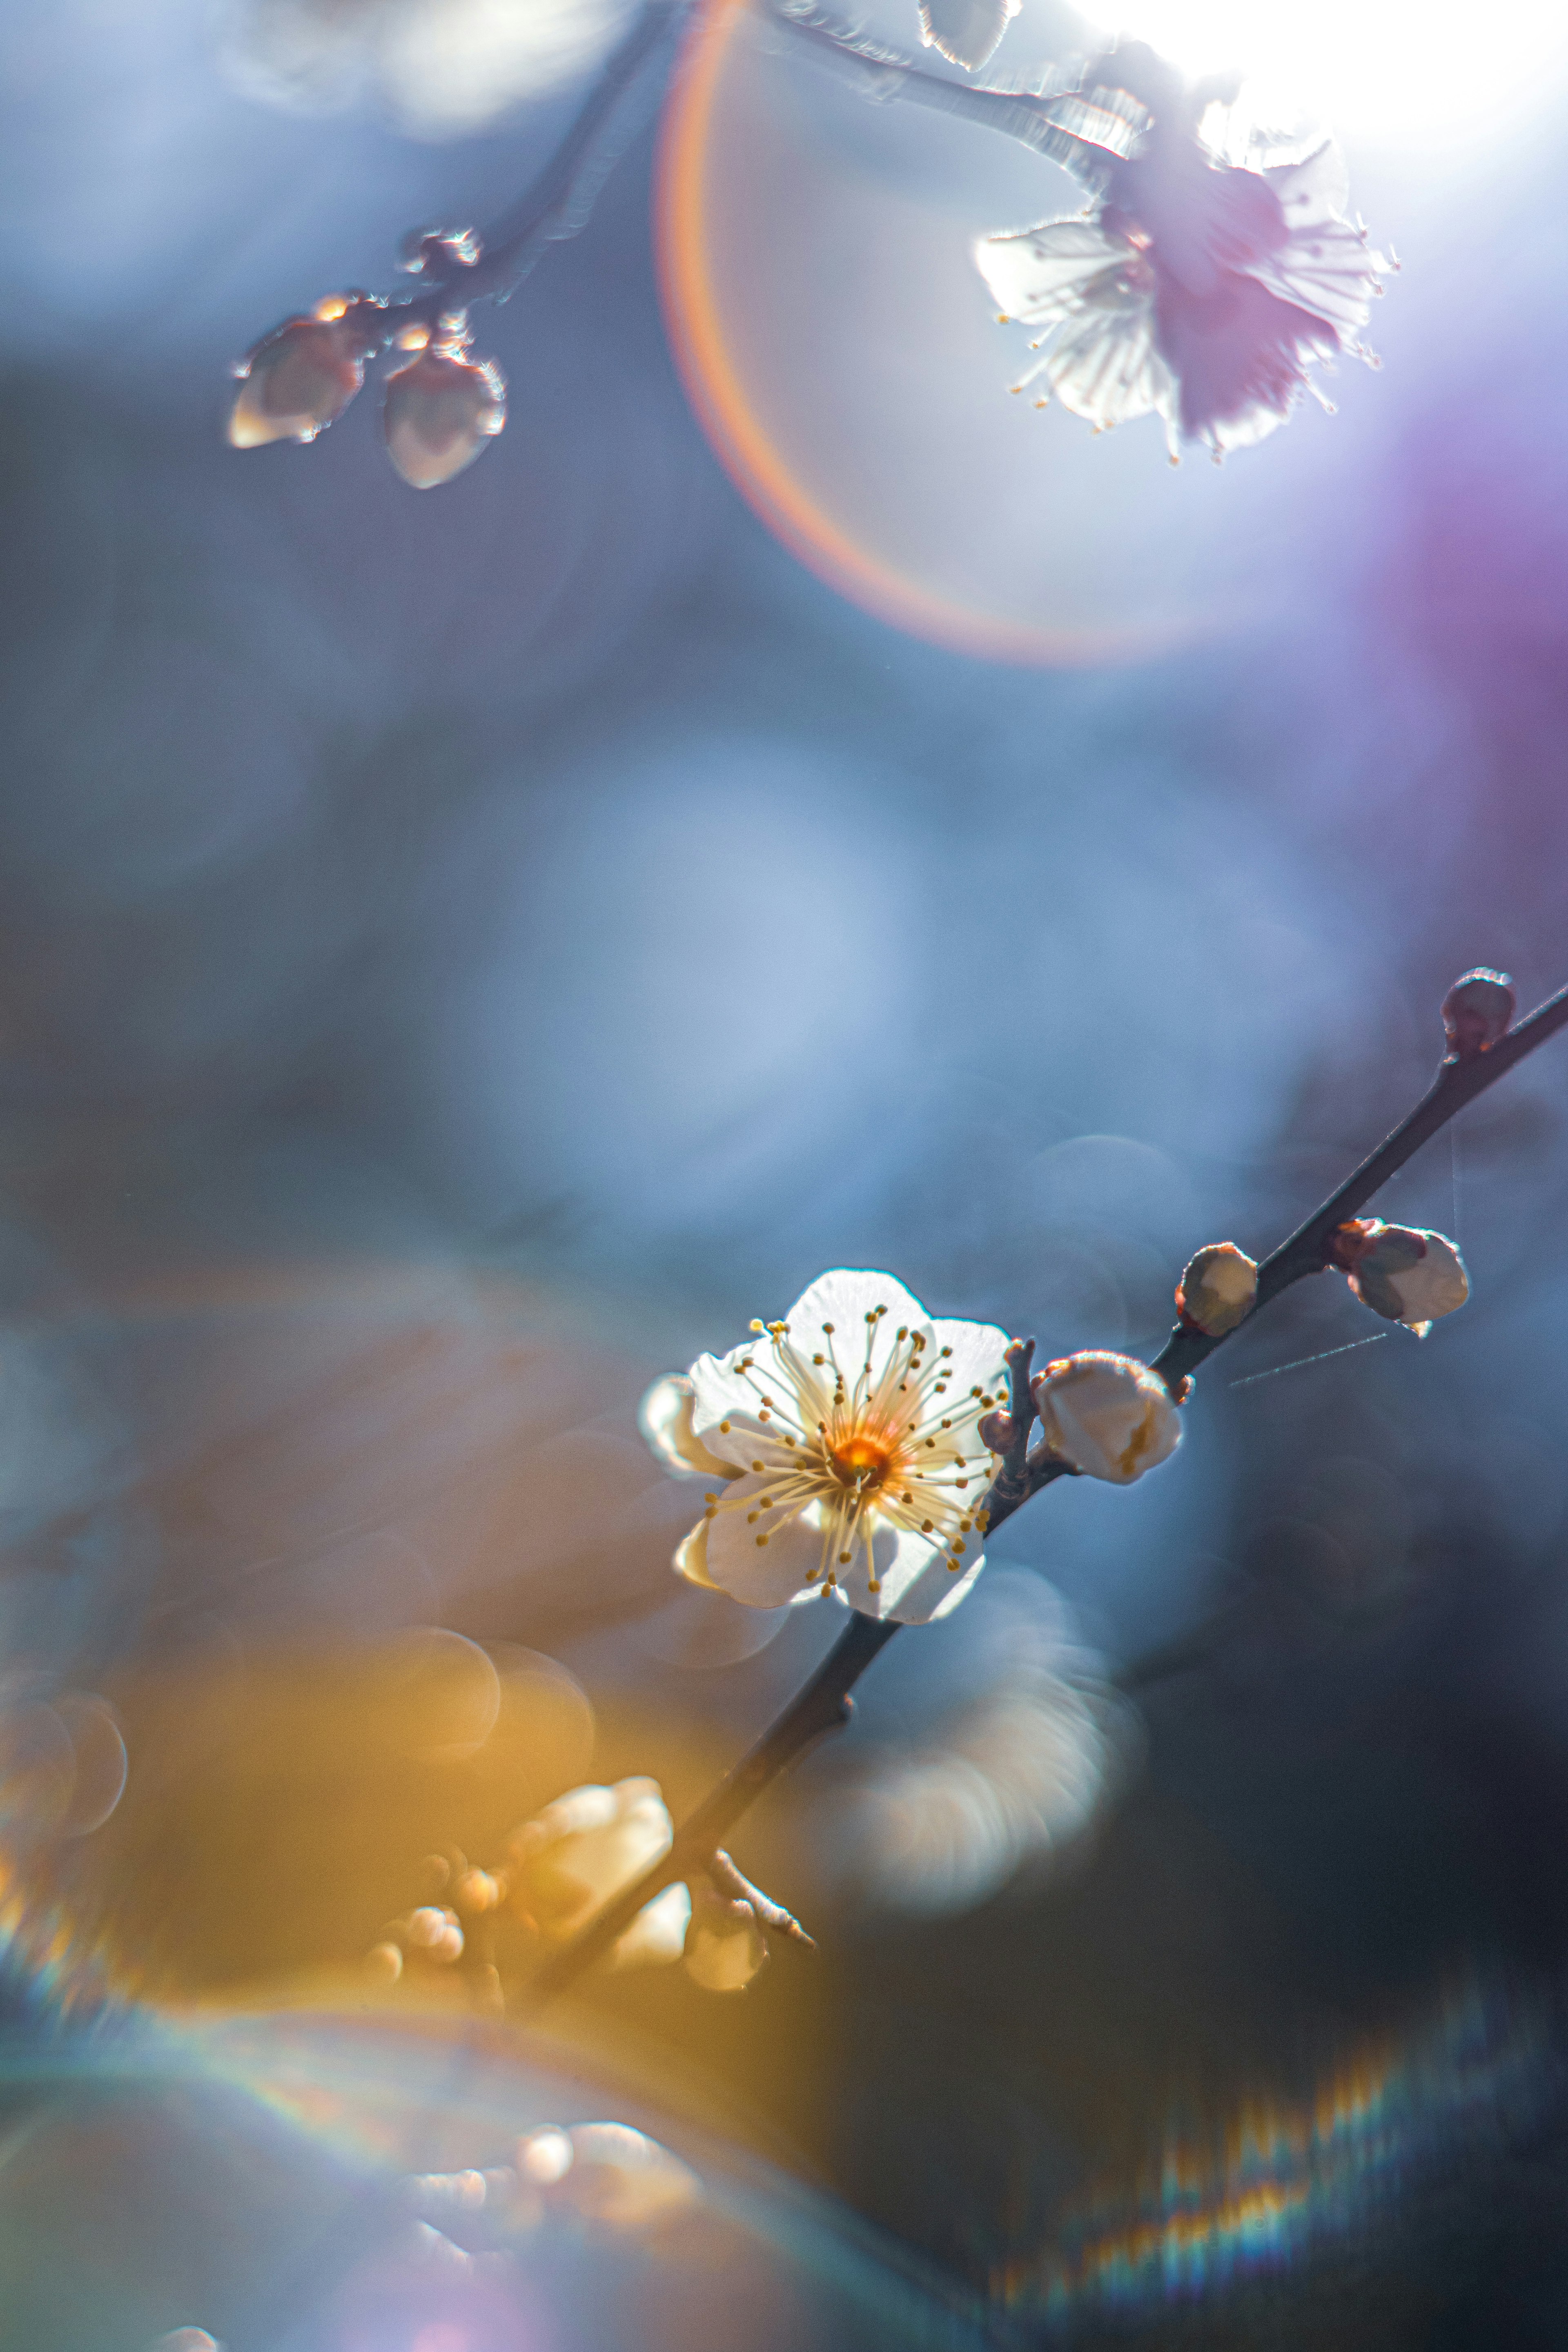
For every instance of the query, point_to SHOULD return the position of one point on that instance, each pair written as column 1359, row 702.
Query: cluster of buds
column 1410, row 1278
column 559, row 1870
column 439, row 409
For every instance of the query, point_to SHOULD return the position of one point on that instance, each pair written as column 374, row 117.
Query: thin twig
column 823, row 1705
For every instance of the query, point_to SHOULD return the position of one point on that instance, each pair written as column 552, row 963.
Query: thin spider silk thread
column 1302, row 1362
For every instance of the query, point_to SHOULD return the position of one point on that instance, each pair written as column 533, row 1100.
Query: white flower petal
column 845, row 1298
column 976, row 1361
column 765, row 1574
column 665, row 1418
column 1042, row 274
column 656, row 1936
column 1105, row 367
column 691, row 1559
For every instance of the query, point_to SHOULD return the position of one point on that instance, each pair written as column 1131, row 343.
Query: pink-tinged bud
column 997, row 1429
column 1477, row 1012
column 1407, row 1276
column 1109, row 1415
column 1218, row 1289
column 440, row 413
column 301, row 377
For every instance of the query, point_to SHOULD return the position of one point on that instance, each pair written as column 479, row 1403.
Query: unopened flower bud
column 656, row 1936
column 301, row 377
column 1477, row 1012
column 440, row 412
column 725, row 1945
column 1107, row 1414
column 1217, row 1290
column 384, row 1961
column 997, row 1429
column 1408, row 1276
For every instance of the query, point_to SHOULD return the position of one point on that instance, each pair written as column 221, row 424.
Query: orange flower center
column 862, row 1461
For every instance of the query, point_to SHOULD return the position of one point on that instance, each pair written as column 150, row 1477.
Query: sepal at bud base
column 441, row 411
column 1218, row 1290
column 1407, row 1276
column 301, row 377
column 1477, row 1012
column 1109, row 1415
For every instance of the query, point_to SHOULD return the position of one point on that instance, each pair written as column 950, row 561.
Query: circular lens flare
column 706, row 285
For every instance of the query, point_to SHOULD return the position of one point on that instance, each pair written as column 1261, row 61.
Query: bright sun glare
column 1392, row 71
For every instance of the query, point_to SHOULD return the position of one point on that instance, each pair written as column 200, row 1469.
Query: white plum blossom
column 1109, row 1415
column 850, row 1457
column 1408, row 1276
column 1213, row 267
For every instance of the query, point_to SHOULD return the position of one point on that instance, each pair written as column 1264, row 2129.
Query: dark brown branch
column 824, row 1704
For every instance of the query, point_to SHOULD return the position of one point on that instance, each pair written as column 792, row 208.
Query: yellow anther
column 819, row 1359
column 811, row 1576
column 711, row 1512
column 829, row 1329
column 755, row 1325
column 909, row 1498
column 926, row 1526
column 710, row 1498
column 931, row 1443
column 1002, row 320
column 759, row 1466
column 952, row 1565
column 844, row 1559
column 965, row 1526
column 762, row 1541
column 723, row 1429
column 947, row 1424
column 751, row 1519
column 764, row 1416
column 873, row 1584
column 961, row 1482
column 789, row 1441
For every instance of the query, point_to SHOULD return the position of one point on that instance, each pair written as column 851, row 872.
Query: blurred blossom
column 1008, row 1781
column 578, row 1853
column 622, row 2178
column 187, row 2340
column 850, row 1446
column 446, row 68
column 1215, row 269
